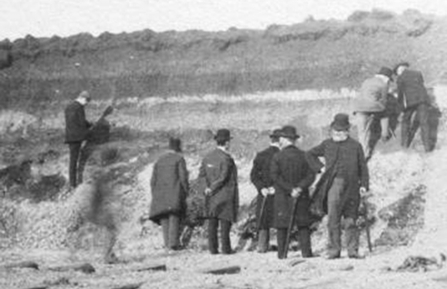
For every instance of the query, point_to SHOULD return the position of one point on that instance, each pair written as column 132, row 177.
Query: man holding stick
column 346, row 179
column 291, row 176
column 260, row 177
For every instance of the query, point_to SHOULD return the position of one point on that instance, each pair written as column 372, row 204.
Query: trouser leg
column 84, row 155
column 385, row 127
column 263, row 240
column 225, row 227
column 422, row 116
column 334, row 217
column 173, row 231
column 364, row 123
column 305, row 243
column 281, row 235
column 406, row 126
column 165, row 229
column 351, row 236
column 212, row 235
column 73, row 165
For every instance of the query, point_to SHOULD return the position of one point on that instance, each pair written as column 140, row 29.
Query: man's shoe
column 356, row 256
column 333, row 256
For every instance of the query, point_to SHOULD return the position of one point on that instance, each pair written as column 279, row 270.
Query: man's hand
column 296, row 192
column 207, row 191
column 363, row 192
column 264, row 192
column 271, row 191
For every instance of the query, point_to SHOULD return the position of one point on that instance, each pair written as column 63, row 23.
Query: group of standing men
column 282, row 173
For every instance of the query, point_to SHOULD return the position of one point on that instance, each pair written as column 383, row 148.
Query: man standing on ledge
column 76, row 132
column 346, row 172
column 291, row 176
column 414, row 99
column 219, row 171
column 370, row 109
column 260, row 177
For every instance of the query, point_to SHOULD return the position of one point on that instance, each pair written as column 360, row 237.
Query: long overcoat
column 76, row 125
column 169, row 186
column 289, row 170
column 343, row 159
column 411, row 89
column 260, row 177
column 219, row 172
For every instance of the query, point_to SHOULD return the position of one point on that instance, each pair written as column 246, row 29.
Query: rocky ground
column 43, row 225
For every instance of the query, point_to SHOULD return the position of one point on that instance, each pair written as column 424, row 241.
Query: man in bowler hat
column 219, row 172
column 414, row 99
column 370, row 109
column 169, row 187
column 291, row 176
column 346, row 172
column 260, row 177
column 76, row 132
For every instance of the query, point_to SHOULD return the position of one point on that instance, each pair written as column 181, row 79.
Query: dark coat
column 343, row 159
column 260, row 177
column 410, row 88
column 289, row 169
column 219, row 172
column 76, row 125
column 169, row 186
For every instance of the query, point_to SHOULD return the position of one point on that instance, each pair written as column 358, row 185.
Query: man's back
column 411, row 89
column 76, row 126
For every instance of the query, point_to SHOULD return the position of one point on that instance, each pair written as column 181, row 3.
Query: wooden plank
column 84, row 268
column 220, row 269
column 153, row 266
column 22, row 264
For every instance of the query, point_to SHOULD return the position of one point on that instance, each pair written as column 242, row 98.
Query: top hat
column 406, row 64
column 175, row 144
column 341, row 122
column 223, row 135
column 386, row 71
column 289, row 131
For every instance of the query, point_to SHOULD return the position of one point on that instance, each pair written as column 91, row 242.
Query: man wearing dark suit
column 260, row 177
column 76, row 132
column 291, row 176
column 219, row 171
column 169, row 187
column 413, row 97
column 347, row 175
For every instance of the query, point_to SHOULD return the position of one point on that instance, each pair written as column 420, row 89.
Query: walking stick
column 367, row 223
column 290, row 227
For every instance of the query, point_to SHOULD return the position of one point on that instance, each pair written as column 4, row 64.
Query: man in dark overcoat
column 291, row 176
column 413, row 98
column 76, row 133
column 346, row 172
column 260, row 177
column 219, row 172
column 169, row 187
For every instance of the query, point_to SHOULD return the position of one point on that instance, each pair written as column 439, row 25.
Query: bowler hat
column 386, row 71
column 276, row 133
column 222, row 135
column 175, row 144
column 289, row 131
column 406, row 64
column 341, row 122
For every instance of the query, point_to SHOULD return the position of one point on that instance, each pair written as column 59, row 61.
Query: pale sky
column 45, row 18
